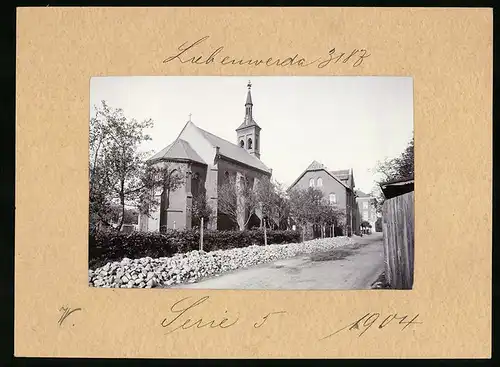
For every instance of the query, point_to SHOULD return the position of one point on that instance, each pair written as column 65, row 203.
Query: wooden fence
column 398, row 228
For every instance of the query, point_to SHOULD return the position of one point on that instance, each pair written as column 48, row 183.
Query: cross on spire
column 249, row 85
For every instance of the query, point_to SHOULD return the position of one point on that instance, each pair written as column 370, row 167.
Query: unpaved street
column 350, row 267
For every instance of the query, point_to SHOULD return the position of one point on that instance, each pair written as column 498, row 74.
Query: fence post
column 201, row 235
column 174, row 225
column 265, row 234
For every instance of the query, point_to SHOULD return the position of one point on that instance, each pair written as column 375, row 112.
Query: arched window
column 311, row 182
column 320, row 182
column 249, row 143
column 195, row 184
column 333, row 198
column 242, row 143
column 256, row 142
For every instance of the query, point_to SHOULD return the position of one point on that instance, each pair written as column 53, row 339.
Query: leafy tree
column 398, row 168
column 131, row 215
column 118, row 173
column 308, row 206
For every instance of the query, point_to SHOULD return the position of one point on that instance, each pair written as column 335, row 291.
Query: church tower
column 248, row 133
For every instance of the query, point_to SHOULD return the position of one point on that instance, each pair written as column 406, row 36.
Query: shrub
column 107, row 246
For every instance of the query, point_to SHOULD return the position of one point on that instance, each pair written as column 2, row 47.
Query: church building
column 206, row 162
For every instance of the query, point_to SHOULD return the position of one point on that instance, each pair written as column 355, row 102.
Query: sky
column 341, row 122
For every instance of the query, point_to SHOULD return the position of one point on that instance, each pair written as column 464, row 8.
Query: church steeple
column 248, row 133
column 249, row 104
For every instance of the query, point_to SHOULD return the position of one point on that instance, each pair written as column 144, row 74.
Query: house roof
column 343, row 174
column 234, row 152
column 316, row 166
column 397, row 187
column 179, row 149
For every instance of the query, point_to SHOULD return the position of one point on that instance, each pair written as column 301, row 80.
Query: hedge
column 105, row 247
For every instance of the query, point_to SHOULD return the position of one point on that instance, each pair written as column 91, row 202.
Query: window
column 256, row 142
column 320, row 182
column 249, row 143
column 333, row 198
column 365, row 205
column 242, row 143
column 195, row 184
column 365, row 215
column 311, row 182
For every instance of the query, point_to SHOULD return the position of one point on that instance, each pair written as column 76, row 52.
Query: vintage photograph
column 251, row 182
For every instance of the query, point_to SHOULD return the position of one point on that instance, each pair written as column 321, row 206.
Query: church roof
column 179, row 149
column 247, row 123
column 233, row 151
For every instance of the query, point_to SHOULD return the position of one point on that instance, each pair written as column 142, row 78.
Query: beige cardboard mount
column 448, row 52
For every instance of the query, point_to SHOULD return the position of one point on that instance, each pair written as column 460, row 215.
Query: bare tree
column 237, row 199
column 200, row 210
column 281, row 205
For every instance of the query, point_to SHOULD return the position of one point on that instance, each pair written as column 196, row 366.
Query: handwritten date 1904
column 369, row 319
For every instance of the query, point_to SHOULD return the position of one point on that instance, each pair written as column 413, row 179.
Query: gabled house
column 337, row 187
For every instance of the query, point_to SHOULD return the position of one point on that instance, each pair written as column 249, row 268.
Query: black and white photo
column 251, row 182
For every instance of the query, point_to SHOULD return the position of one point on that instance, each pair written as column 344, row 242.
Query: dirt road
column 355, row 266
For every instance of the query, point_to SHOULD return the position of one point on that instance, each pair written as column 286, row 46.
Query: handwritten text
column 66, row 311
column 369, row 319
column 189, row 53
column 186, row 315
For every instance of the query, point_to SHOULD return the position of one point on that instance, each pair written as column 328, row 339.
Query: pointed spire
column 248, row 105
column 249, row 94
column 248, row 120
